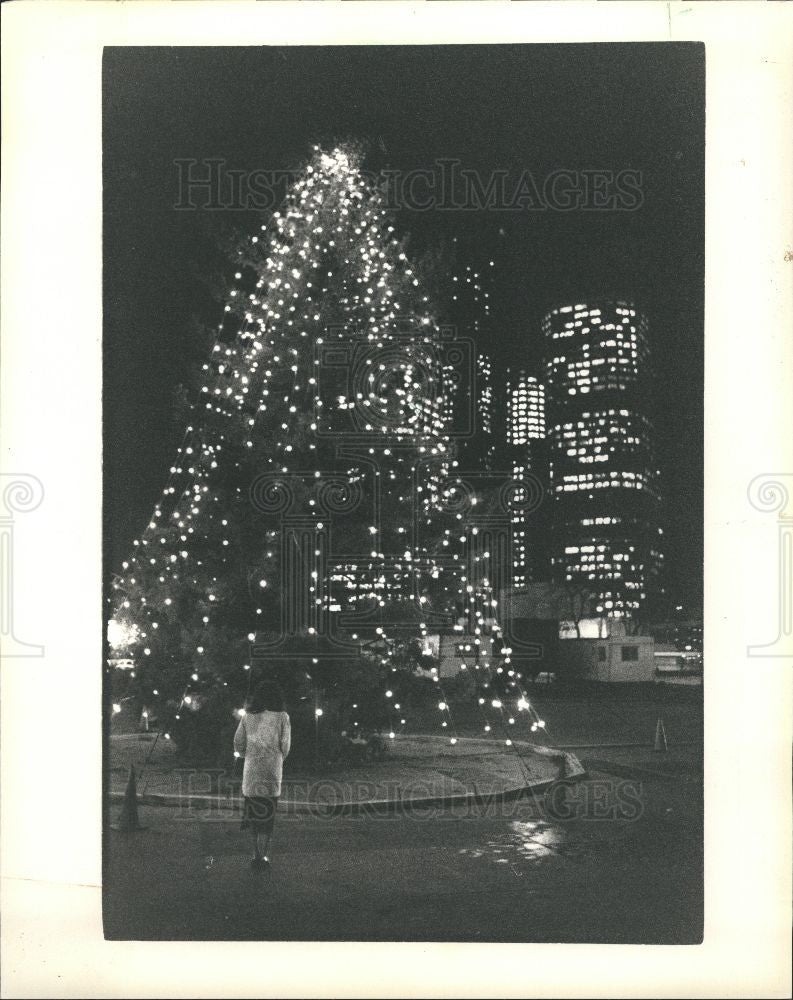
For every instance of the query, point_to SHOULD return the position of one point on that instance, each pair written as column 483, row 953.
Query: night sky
column 524, row 107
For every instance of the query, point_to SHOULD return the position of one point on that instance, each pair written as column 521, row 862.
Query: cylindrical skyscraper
column 605, row 512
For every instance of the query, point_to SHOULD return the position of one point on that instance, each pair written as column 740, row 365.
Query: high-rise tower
column 605, row 510
column 526, row 454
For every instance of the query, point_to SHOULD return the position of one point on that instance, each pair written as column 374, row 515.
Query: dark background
column 535, row 107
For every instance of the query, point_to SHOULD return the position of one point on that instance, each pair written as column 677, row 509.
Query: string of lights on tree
column 203, row 581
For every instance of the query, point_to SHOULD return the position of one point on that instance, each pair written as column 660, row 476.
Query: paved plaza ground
column 615, row 857
column 504, row 873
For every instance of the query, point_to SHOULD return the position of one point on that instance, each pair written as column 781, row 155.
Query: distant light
column 120, row 634
column 318, row 712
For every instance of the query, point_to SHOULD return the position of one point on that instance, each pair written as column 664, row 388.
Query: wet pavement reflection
column 525, row 843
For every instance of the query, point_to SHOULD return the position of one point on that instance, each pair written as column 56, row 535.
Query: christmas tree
column 312, row 527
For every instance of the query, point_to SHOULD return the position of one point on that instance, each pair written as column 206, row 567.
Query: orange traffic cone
column 660, row 737
column 128, row 821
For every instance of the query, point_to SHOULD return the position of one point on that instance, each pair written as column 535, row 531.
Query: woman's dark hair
column 266, row 697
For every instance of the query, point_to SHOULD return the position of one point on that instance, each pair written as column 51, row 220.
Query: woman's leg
column 267, row 835
column 255, row 842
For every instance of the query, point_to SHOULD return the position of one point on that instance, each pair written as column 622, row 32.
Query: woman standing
column 263, row 738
